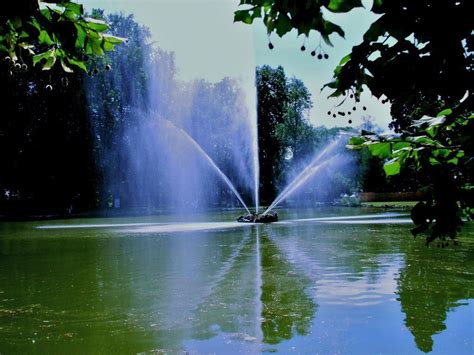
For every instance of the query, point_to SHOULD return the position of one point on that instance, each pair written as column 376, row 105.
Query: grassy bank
column 390, row 204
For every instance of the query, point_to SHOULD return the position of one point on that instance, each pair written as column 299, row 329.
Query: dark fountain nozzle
column 268, row 217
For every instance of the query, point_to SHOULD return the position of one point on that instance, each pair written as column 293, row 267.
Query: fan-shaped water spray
column 208, row 159
column 311, row 169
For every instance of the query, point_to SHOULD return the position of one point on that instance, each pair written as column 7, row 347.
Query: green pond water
column 354, row 283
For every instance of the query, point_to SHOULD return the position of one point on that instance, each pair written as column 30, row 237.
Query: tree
column 421, row 66
column 287, row 140
column 272, row 94
column 295, row 132
column 46, row 148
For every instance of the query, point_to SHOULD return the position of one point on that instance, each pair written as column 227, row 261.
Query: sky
column 208, row 45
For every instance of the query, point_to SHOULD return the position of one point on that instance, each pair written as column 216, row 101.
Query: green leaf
column 460, row 154
column 113, row 39
column 432, row 131
column 44, row 38
column 343, row 5
column 34, row 22
column 46, row 13
column 107, row 46
column 45, row 55
column 330, row 28
column 424, row 140
column 446, row 112
column 441, row 153
column 326, row 39
column 96, row 46
column 357, row 141
column 65, row 67
column 109, row 42
column 96, row 25
column 429, row 121
column 377, row 6
column 381, row 150
column 243, row 16
column 73, row 9
column 345, row 59
column 78, row 63
column 375, row 30
column 81, row 37
column 336, row 93
column 283, row 25
column 50, row 62
column 400, row 145
column 392, row 167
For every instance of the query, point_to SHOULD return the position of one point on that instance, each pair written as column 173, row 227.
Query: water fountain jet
column 311, row 169
column 208, row 159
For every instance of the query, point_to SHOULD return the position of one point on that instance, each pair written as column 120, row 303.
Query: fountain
column 249, row 217
column 267, row 217
column 309, row 171
column 209, row 160
column 174, row 145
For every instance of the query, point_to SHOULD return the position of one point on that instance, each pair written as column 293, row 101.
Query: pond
column 330, row 280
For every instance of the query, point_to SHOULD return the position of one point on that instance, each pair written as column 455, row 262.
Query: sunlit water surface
column 320, row 281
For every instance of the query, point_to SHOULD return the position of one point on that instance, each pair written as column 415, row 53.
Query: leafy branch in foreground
column 49, row 33
column 441, row 149
column 412, row 64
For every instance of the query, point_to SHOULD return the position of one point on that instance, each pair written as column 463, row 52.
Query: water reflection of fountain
column 258, row 288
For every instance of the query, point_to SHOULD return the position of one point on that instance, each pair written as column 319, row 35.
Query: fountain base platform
column 258, row 218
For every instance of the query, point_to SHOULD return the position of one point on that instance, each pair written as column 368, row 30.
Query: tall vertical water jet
column 255, row 160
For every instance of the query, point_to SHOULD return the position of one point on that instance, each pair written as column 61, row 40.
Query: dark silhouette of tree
column 272, row 94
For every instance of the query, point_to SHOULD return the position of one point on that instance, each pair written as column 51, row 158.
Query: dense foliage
column 442, row 150
column 45, row 144
column 421, row 66
column 44, row 33
column 416, row 64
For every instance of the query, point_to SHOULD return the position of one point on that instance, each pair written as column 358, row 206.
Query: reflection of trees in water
column 287, row 308
column 432, row 283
